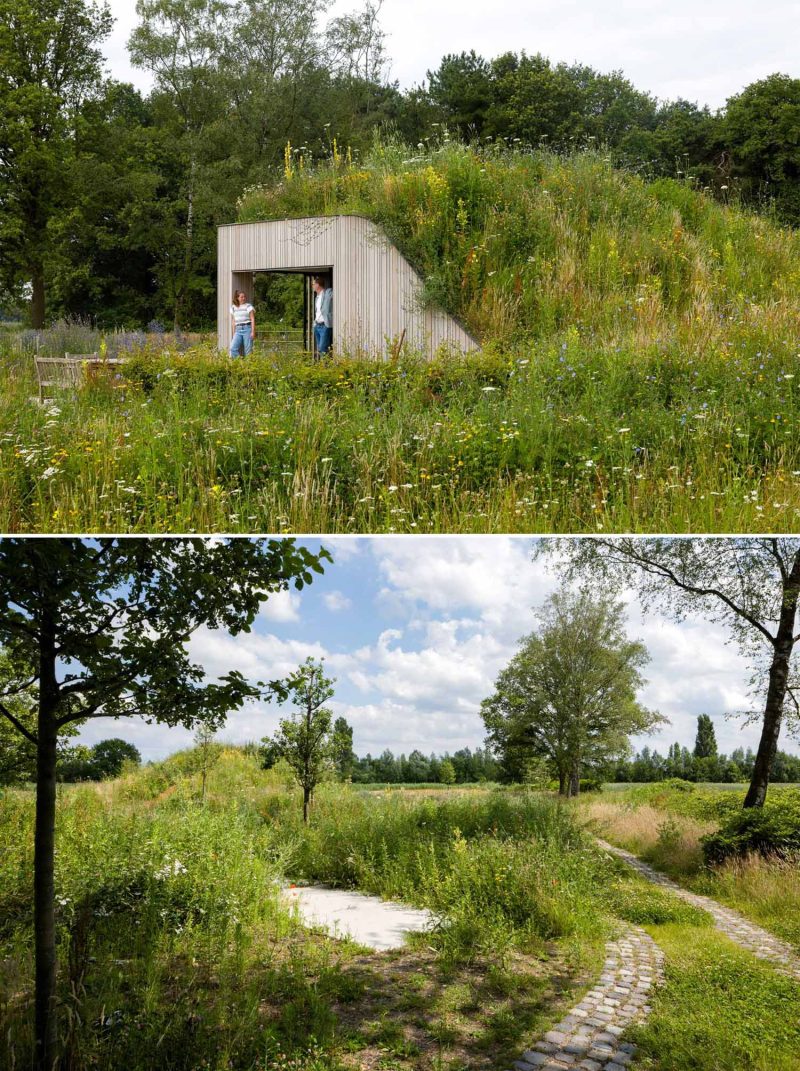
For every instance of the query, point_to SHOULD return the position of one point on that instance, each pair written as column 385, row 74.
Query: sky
column 701, row 52
column 416, row 629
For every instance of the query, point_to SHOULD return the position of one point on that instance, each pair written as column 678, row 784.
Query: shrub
column 591, row 784
column 770, row 830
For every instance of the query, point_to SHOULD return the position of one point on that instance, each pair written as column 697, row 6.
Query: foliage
column 773, row 830
column 50, row 63
column 104, row 627
column 521, row 244
column 103, row 761
column 342, row 749
column 305, row 739
column 750, row 585
column 705, row 746
column 762, row 128
column 569, row 694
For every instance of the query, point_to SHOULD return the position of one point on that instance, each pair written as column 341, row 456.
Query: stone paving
column 590, row 1036
column 745, row 933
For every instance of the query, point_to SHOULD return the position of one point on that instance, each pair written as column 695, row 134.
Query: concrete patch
column 379, row 924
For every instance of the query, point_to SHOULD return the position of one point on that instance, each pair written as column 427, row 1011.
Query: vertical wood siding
column 376, row 291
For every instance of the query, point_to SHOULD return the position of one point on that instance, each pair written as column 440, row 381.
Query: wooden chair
column 61, row 373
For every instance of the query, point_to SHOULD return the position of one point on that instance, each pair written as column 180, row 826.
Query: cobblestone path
column 589, row 1036
column 730, row 922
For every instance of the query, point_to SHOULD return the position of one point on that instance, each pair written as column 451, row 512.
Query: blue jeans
column 242, row 341
column 323, row 336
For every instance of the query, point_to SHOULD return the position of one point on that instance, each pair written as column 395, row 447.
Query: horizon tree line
column 111, row 196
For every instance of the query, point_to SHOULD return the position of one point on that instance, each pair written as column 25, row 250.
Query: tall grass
column 561, row 436
column 177, row 952
column 522, row 244
column 664, row 824
column 639, row 373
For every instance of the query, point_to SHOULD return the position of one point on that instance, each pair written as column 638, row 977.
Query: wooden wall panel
column 376, row 291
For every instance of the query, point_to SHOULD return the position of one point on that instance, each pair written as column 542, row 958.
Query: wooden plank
column 377, row 292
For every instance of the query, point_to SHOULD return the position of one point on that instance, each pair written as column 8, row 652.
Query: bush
column 591, row 784
column 770, row 830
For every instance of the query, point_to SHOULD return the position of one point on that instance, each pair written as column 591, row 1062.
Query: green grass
column 638, row 374
column 565, row 438
column 663, row 824
column 176, row 951
column 720, row 1009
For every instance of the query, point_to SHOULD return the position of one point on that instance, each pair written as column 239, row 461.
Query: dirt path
column 745, row 933
column 589, row 1036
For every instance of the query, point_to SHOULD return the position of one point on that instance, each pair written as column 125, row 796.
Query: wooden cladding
column 376, row 291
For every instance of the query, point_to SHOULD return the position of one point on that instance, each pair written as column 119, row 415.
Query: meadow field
column 553, row 438
column 663, row 823
column 639, row 372
column 177, row 950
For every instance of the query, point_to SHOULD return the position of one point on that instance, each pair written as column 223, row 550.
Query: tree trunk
column 574, row 780
column 306, row 798
column 562, row 782
column 38, row 298
column 44, row 893
column 770, row 727
column 776, row 692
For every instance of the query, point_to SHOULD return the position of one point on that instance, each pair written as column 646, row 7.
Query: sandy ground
column 370, row 921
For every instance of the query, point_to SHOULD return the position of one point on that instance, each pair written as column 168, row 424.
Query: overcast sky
column 416, row 629
column 703, row 52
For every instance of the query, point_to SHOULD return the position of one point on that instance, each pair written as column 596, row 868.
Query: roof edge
column 298, row 219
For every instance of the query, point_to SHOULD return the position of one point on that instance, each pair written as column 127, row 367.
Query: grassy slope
column 640, row 373
column 181, row 968
column 664, row 827
column 525, row 245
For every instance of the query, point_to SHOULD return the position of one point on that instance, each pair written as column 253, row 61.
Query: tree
column 100, row 629
column 751, row 585
column 762, row 128
column 447, row 772
column 17, row 750
column 181, row 42
column 342, row 749
column 705, row 745
column 304, row 739
column 49, row 64
column 461, row 86
column 109, row 756
column 569, row 694
column 207, row 753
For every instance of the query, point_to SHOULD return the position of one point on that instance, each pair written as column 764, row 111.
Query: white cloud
column 458, row 605
column 281, row 606
column 336, row 601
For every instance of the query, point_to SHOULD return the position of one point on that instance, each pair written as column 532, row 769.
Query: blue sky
column 701, row 52
column 416, row 629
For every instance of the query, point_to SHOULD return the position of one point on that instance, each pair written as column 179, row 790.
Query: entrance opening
column 279, row 298
column 284, row 302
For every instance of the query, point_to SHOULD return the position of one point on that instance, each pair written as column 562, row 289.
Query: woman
column 323, row 316
column 243, row 325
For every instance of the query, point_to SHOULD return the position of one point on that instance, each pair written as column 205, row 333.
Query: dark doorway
column 279, row 298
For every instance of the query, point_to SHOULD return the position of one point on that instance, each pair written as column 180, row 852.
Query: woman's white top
column 241, row 314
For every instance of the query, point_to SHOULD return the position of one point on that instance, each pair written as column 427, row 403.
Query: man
column 323, row 316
